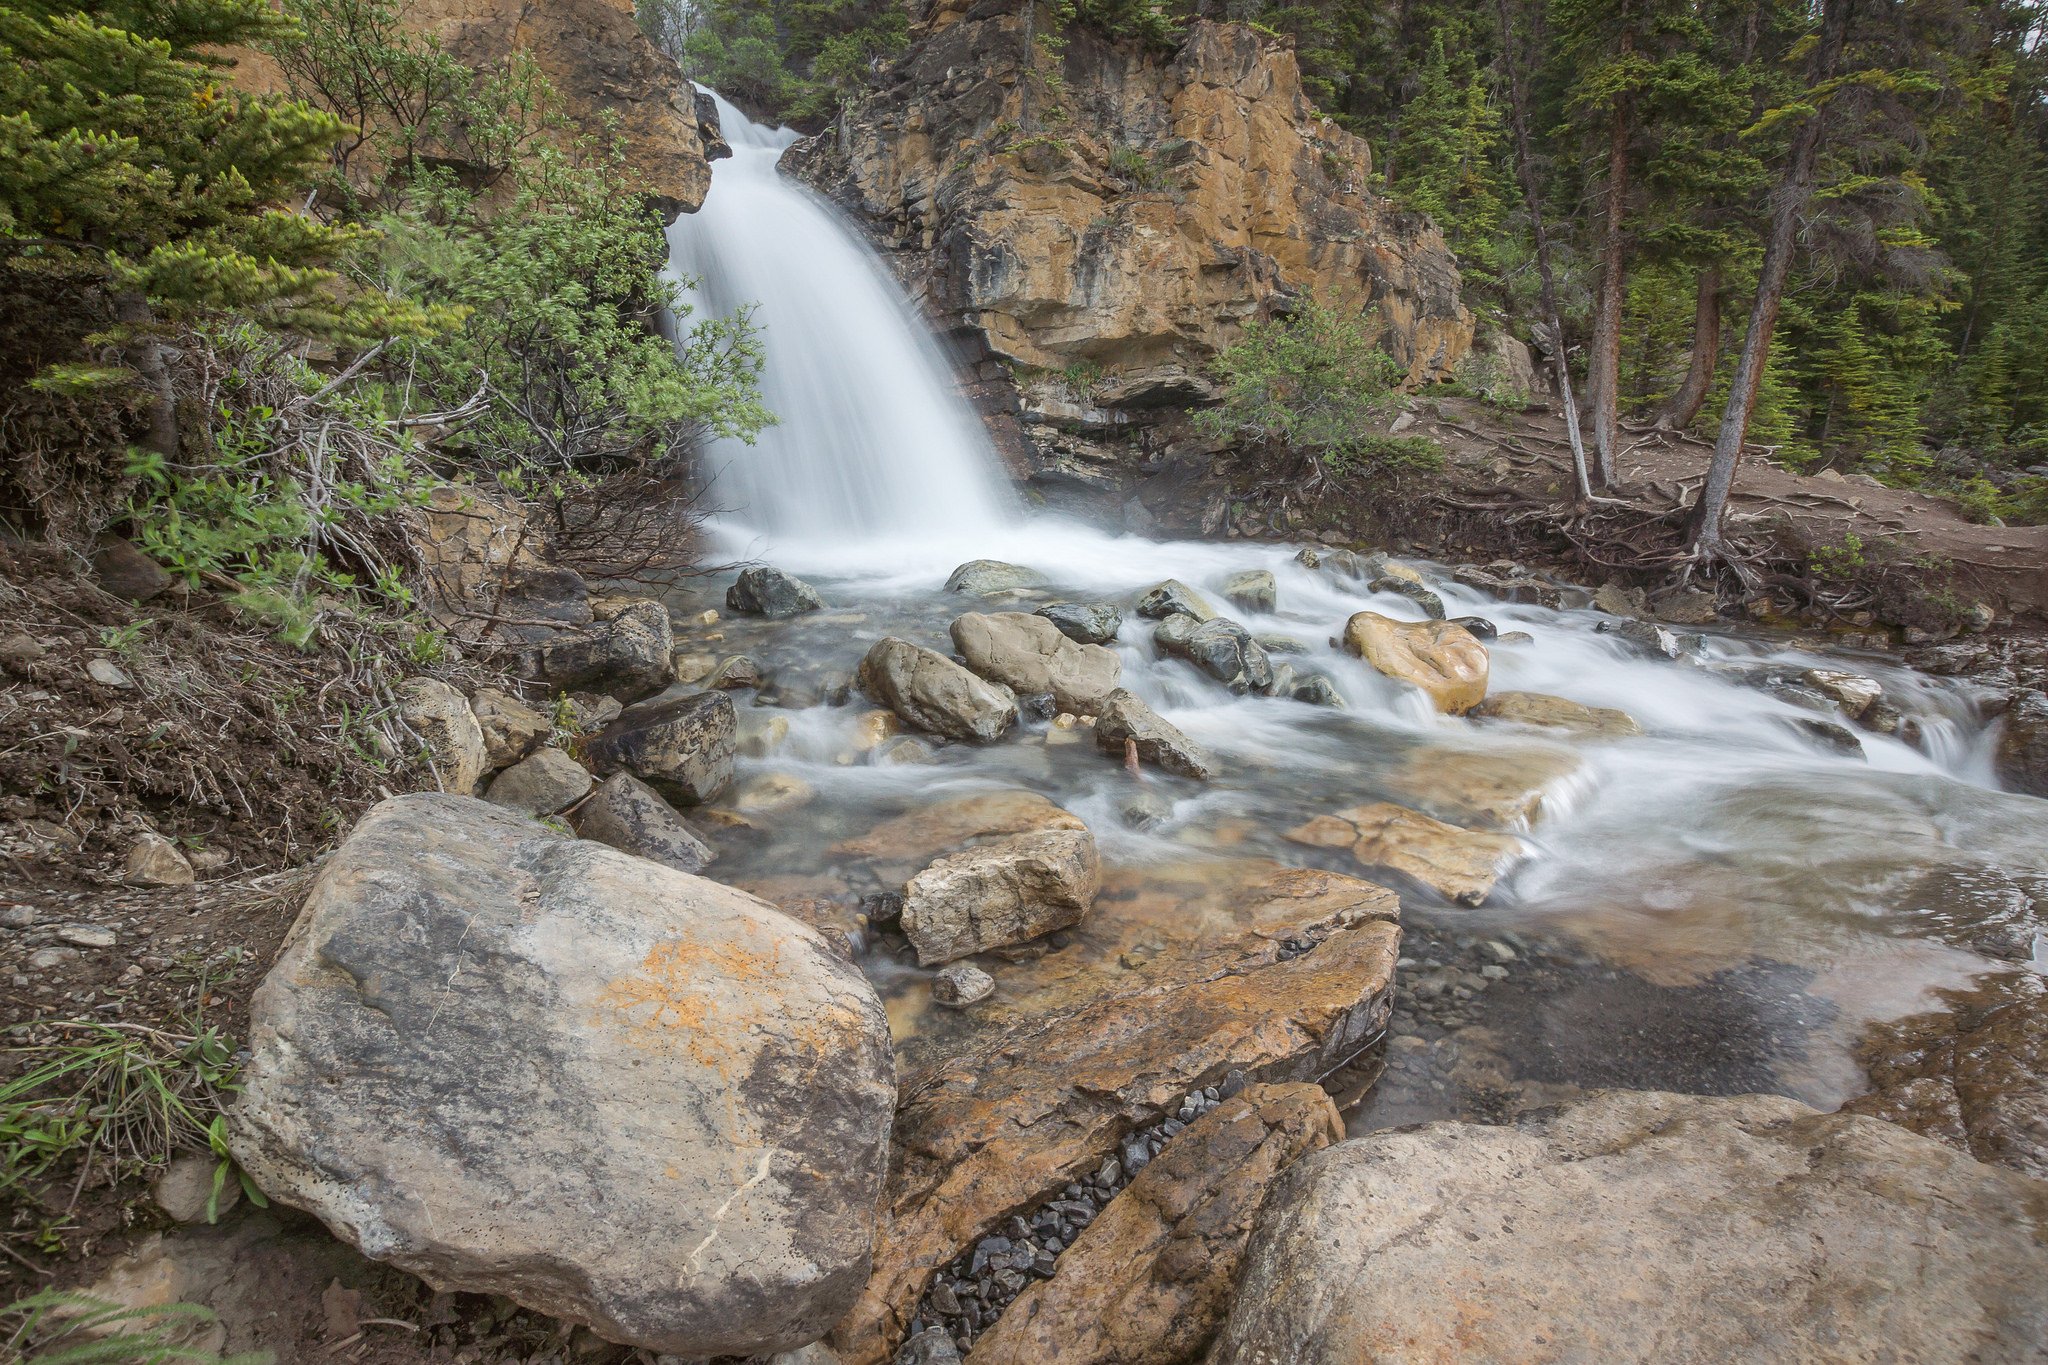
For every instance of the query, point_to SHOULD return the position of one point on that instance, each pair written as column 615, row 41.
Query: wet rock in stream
column 1087, row 623
column 765, row 591
column 1031, row 656
column 933, row 693
column 1436, row 656
column 1176, row 979
column 1127, row 720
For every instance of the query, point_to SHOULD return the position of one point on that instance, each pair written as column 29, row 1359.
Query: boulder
column 1275, row 643
column 1635, row 1226
column 680, row 744
column 1252, row 590
column 765, row 591
column 1087, row 623
column 1031, row 656
column 123, row 571
column 2023, row 744
column 1414, row 589
column 1510, row 587
column 630, row 816
column 1180, row 975
column 515, row 1063
column 1222, row 649
column 511, row 729
column 1441, row 659
column 441, row 717
column 931, row 692
column 1557, row 713
column 1341, row 563
column 984, row 577
column 1853, row 692
column 1316, row 690
column 1162, row 600
column 898, row 847
column 1149, row 1280
column 961, row 985
column 1008, row 890
column 548, row 782
column 155, row 861
column 1652, row 640
column 1126, row 719
column 1479, row 628
column 736, row 672
column 1460, row 865
column 628, row 657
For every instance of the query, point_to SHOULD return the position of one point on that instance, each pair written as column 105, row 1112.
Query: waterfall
column 874, row 442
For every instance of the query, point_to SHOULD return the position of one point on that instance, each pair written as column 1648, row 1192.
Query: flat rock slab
column 512, row 1062
column 1460, row 865
column 1640, row 1226
column 901, row 845
column 1558, row 713
column 1288, row 975
column 1149, row 1281
column 1502, row 786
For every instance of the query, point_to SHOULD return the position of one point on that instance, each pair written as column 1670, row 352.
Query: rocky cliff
column 599, row 63
column 1105, row 216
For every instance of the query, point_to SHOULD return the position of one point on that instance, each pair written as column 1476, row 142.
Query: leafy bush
column 1316, row 381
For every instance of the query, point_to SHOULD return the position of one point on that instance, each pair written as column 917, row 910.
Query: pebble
column 51, row 957
column 960, row 985
column 19, row 916
column 107, row 673
column 88, row 935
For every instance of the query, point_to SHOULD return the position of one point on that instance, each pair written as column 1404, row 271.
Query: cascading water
column 873, row 442
column 1718, row 904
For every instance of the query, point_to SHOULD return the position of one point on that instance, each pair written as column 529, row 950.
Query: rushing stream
column 1718, row 905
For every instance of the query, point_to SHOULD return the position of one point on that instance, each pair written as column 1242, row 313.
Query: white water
column 1722, row 835
column 873, row 443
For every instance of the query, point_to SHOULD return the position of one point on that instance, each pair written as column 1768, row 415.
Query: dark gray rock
column 767, row 591
column 628, row 657
column 682, row 745
column 1220, row 648
column 2023, row 744
column 630, row 816
column 1086, row 623
column 1158, row 741
column 1162, row 600
column 1647, row 637
column 542, row 784
column 1432, row 605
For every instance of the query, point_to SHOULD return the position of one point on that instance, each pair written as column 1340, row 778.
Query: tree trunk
column 1793, row 192
column 1525, row 171
column 145, row 355
column 1603, row 360
column 1685, row 405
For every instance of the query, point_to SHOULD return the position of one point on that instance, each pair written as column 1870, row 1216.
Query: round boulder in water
column 766, row 591
column 1252, row 590
column 983, row 577
column 1436, row 656
column 1162, row 600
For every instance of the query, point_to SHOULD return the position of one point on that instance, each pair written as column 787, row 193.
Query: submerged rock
column 1149, row 1280
column 933, row 693
column 961, row 985
column 1414, row 589
column 682, row 746
column 1441, row 659
column 900, row 846
column 765, row 591
column 1557, row 713
column 982, row 577
column 630, row 816
column 1749, row 1228
column 515, row 1063
column 1649, row 638
column 1503, row 786
column 1252, row 590
column 1162, row 600
column 1854, row 693
column 1087, row 623
column 1341, row 563
column 1031, row 656
column 1159, row 742
column 2023, row 744
column 1460, row 865
column 1007, row 890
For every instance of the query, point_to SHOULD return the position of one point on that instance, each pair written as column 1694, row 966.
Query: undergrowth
column 56, row 1328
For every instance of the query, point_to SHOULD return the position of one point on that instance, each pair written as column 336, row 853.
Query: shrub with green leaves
column 1316, row 381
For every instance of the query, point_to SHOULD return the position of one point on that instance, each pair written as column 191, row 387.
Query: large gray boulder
column 681, row 744
column 628, row 657
column 1637, row 1226
column 1085, row 623
column 516, row 1063
column 1221, row 648
column 767, row 591
column 1030, row 655
column 933, row 693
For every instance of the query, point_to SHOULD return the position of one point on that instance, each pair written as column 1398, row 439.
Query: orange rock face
column 1178, row 977
column 1126, row 207
column 1149, row 1281
column 599, row 63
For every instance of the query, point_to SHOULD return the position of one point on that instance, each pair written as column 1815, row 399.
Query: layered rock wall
column 1106, row 216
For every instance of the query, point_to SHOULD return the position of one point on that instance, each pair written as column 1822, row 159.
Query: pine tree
column 132, row 168
column 1453, row 140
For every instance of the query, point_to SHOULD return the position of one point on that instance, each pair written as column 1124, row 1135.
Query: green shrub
column 1316, row 381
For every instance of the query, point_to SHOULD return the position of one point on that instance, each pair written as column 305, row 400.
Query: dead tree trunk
column 1603, row 360
column 1525, row 171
